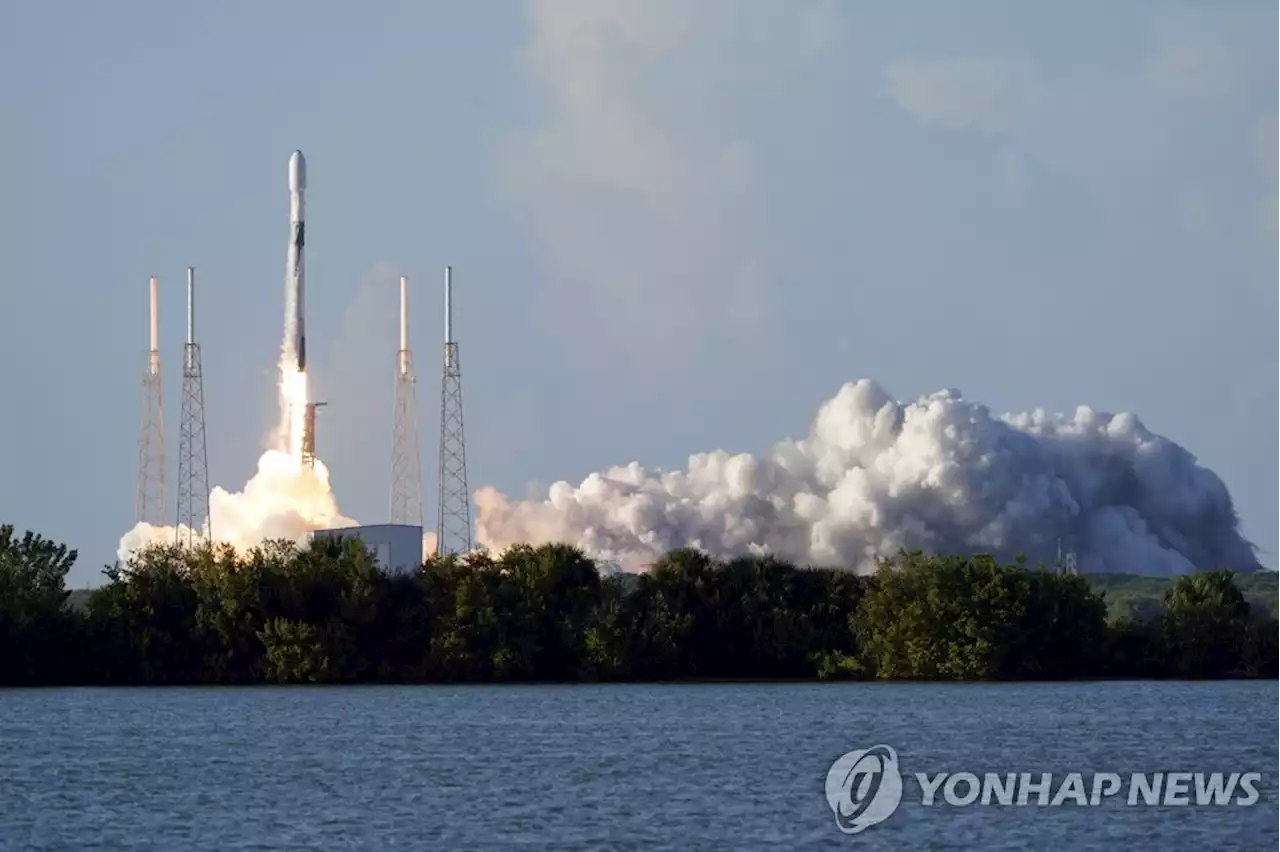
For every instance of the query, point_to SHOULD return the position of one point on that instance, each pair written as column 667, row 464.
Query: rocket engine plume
column 873, row 476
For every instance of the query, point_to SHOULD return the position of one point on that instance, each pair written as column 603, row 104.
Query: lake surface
column 678, row 767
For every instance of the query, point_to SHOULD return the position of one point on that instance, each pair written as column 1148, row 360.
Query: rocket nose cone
column 297, row 171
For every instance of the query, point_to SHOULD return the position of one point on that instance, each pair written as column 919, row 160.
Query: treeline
column 1141, row 597
column 326, row 614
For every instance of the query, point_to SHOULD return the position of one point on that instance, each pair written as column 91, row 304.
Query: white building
column 397, row 548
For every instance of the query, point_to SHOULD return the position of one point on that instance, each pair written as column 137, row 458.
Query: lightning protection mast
column 151, row 432
column 406, row 462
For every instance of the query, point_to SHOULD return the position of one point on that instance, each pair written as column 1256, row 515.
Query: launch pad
column 295, row 435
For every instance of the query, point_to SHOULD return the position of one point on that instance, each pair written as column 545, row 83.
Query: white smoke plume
column 941, row 474
column 285, row 499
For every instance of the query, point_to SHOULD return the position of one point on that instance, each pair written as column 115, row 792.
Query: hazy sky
column 675, row 227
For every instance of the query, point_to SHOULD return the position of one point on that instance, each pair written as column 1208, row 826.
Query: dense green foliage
column 325, row 614
column 1141, row 597
column 36, row 630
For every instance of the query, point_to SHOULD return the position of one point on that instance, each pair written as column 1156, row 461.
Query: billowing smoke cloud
column 283, row 500
column 874, row 475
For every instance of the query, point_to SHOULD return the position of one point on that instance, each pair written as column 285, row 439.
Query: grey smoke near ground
column 941, row 474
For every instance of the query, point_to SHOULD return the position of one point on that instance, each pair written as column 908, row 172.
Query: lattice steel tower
column 1065, row 564
column 453, row 504
column 193, row 454
column 406, row 462
column 151, row 434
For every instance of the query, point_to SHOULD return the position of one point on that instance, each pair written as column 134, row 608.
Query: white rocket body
column 295, row 276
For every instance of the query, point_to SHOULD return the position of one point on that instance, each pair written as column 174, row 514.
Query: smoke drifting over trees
column 874, row 476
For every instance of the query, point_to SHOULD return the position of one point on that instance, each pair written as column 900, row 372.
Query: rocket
column 295, row 275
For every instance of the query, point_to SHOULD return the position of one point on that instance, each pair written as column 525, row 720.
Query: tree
column 969, row 618
column 34, row 628
column 325, row 613
column 295, row 652
column 143, row 623
column 1206, row 622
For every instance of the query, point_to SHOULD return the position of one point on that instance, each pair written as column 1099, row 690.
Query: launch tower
column 309, row 435
column 453, row 503
column 193, row 456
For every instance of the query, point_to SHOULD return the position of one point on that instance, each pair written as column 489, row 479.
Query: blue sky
column 675, row 227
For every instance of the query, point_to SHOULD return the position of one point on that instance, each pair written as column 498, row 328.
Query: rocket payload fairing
column 295, row 277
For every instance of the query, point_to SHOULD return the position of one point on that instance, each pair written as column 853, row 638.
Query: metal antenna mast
column 193, row 455
column 406, row 463
column 453, row 505
column 151, row 434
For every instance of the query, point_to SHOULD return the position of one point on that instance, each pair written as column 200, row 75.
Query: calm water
column 608, row 767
